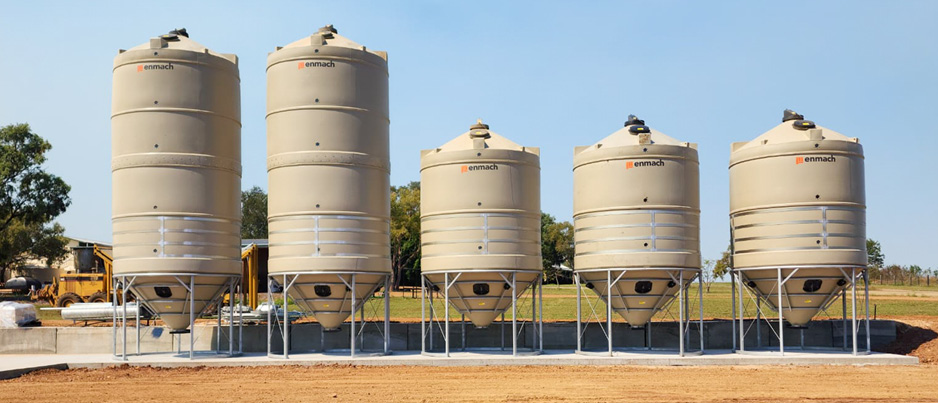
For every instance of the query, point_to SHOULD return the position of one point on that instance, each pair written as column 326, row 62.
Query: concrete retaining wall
column 406, row 336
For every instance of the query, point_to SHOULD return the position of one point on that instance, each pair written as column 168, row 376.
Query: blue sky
column 547, row 74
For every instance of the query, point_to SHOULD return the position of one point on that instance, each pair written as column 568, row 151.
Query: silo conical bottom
column 483, row 296
column 806, row 291
column 328, row 297
column 638, row 295
column 168, row 298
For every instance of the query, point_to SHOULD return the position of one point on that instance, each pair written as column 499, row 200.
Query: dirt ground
column 917, row 336
column 480, row 384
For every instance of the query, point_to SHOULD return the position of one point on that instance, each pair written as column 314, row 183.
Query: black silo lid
column 791, row 115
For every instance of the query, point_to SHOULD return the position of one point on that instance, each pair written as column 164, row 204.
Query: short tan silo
column 798, row 215
column 637, row 219
column 176, row 145
column 480, row 212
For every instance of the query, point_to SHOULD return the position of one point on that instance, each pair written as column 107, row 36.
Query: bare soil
column 916, row 336
column 480, row 384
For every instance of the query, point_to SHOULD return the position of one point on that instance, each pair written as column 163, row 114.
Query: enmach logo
column 142, row 67
column 467, row 168
column 638, row 164
column 303, row 65
column 802, row 160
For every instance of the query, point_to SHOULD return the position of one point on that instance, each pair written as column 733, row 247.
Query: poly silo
column 480, row 221
column 328, row 170
column 636, row 203
column 797, row 218
column 176, row 145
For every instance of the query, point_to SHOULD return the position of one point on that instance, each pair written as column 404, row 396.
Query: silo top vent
column 791, row 115
column 479, row 130
column 328, row 29
column 175, row 33
column 634, row 120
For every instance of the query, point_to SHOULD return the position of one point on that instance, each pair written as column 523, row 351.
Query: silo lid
column 794, row 128
column 479, row 130
column 178, row 39
column 328, row 36
column 636, row 133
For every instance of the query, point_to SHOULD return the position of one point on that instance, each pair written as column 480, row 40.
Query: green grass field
column 560, row 304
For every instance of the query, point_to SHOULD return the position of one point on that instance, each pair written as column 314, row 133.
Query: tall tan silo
column 636, row 203
column 328, row 170
column 480, row 212
column 798, row 206
column 176, row 145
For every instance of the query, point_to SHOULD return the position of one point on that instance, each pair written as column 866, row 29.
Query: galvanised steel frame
column 450, row 278
column 125, row 283
column 356, row 330
column 741, row 290
column 664, row 304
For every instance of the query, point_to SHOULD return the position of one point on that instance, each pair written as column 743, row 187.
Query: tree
column 723, row 266
column 714, row 269
column 709, row 276
column 876, row 260
column 557, row 248
column 254, row 214
column 896, row 272
column 20, row 243
column 30, row 199
column 405, row 234
column 915, row 271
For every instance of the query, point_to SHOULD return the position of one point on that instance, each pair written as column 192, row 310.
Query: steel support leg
column 853, row 287
column 733, row 305
column 114, row 315
column 231, row 308
column 191, row 317
column 843, row 301
column 218, row 328
column 124, row 324
column 540, row 312
column 137, row 324
column 609, row 310
column 534, row 316
column 503, row 330
column 739, row 294
column 430, row 301
column 286, row 317
column 866, row 291
column 681, row 304
column 352, row 318
column 240, row 320
column 423, row 315
column 387, row 314
column 579, row 313
column 781, row 315
column 700, row 291
column 361, row 330
column 270, row 307
column 514, row 315
column 446, row 312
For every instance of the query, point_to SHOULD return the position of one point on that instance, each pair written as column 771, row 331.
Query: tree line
column 895, row 274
